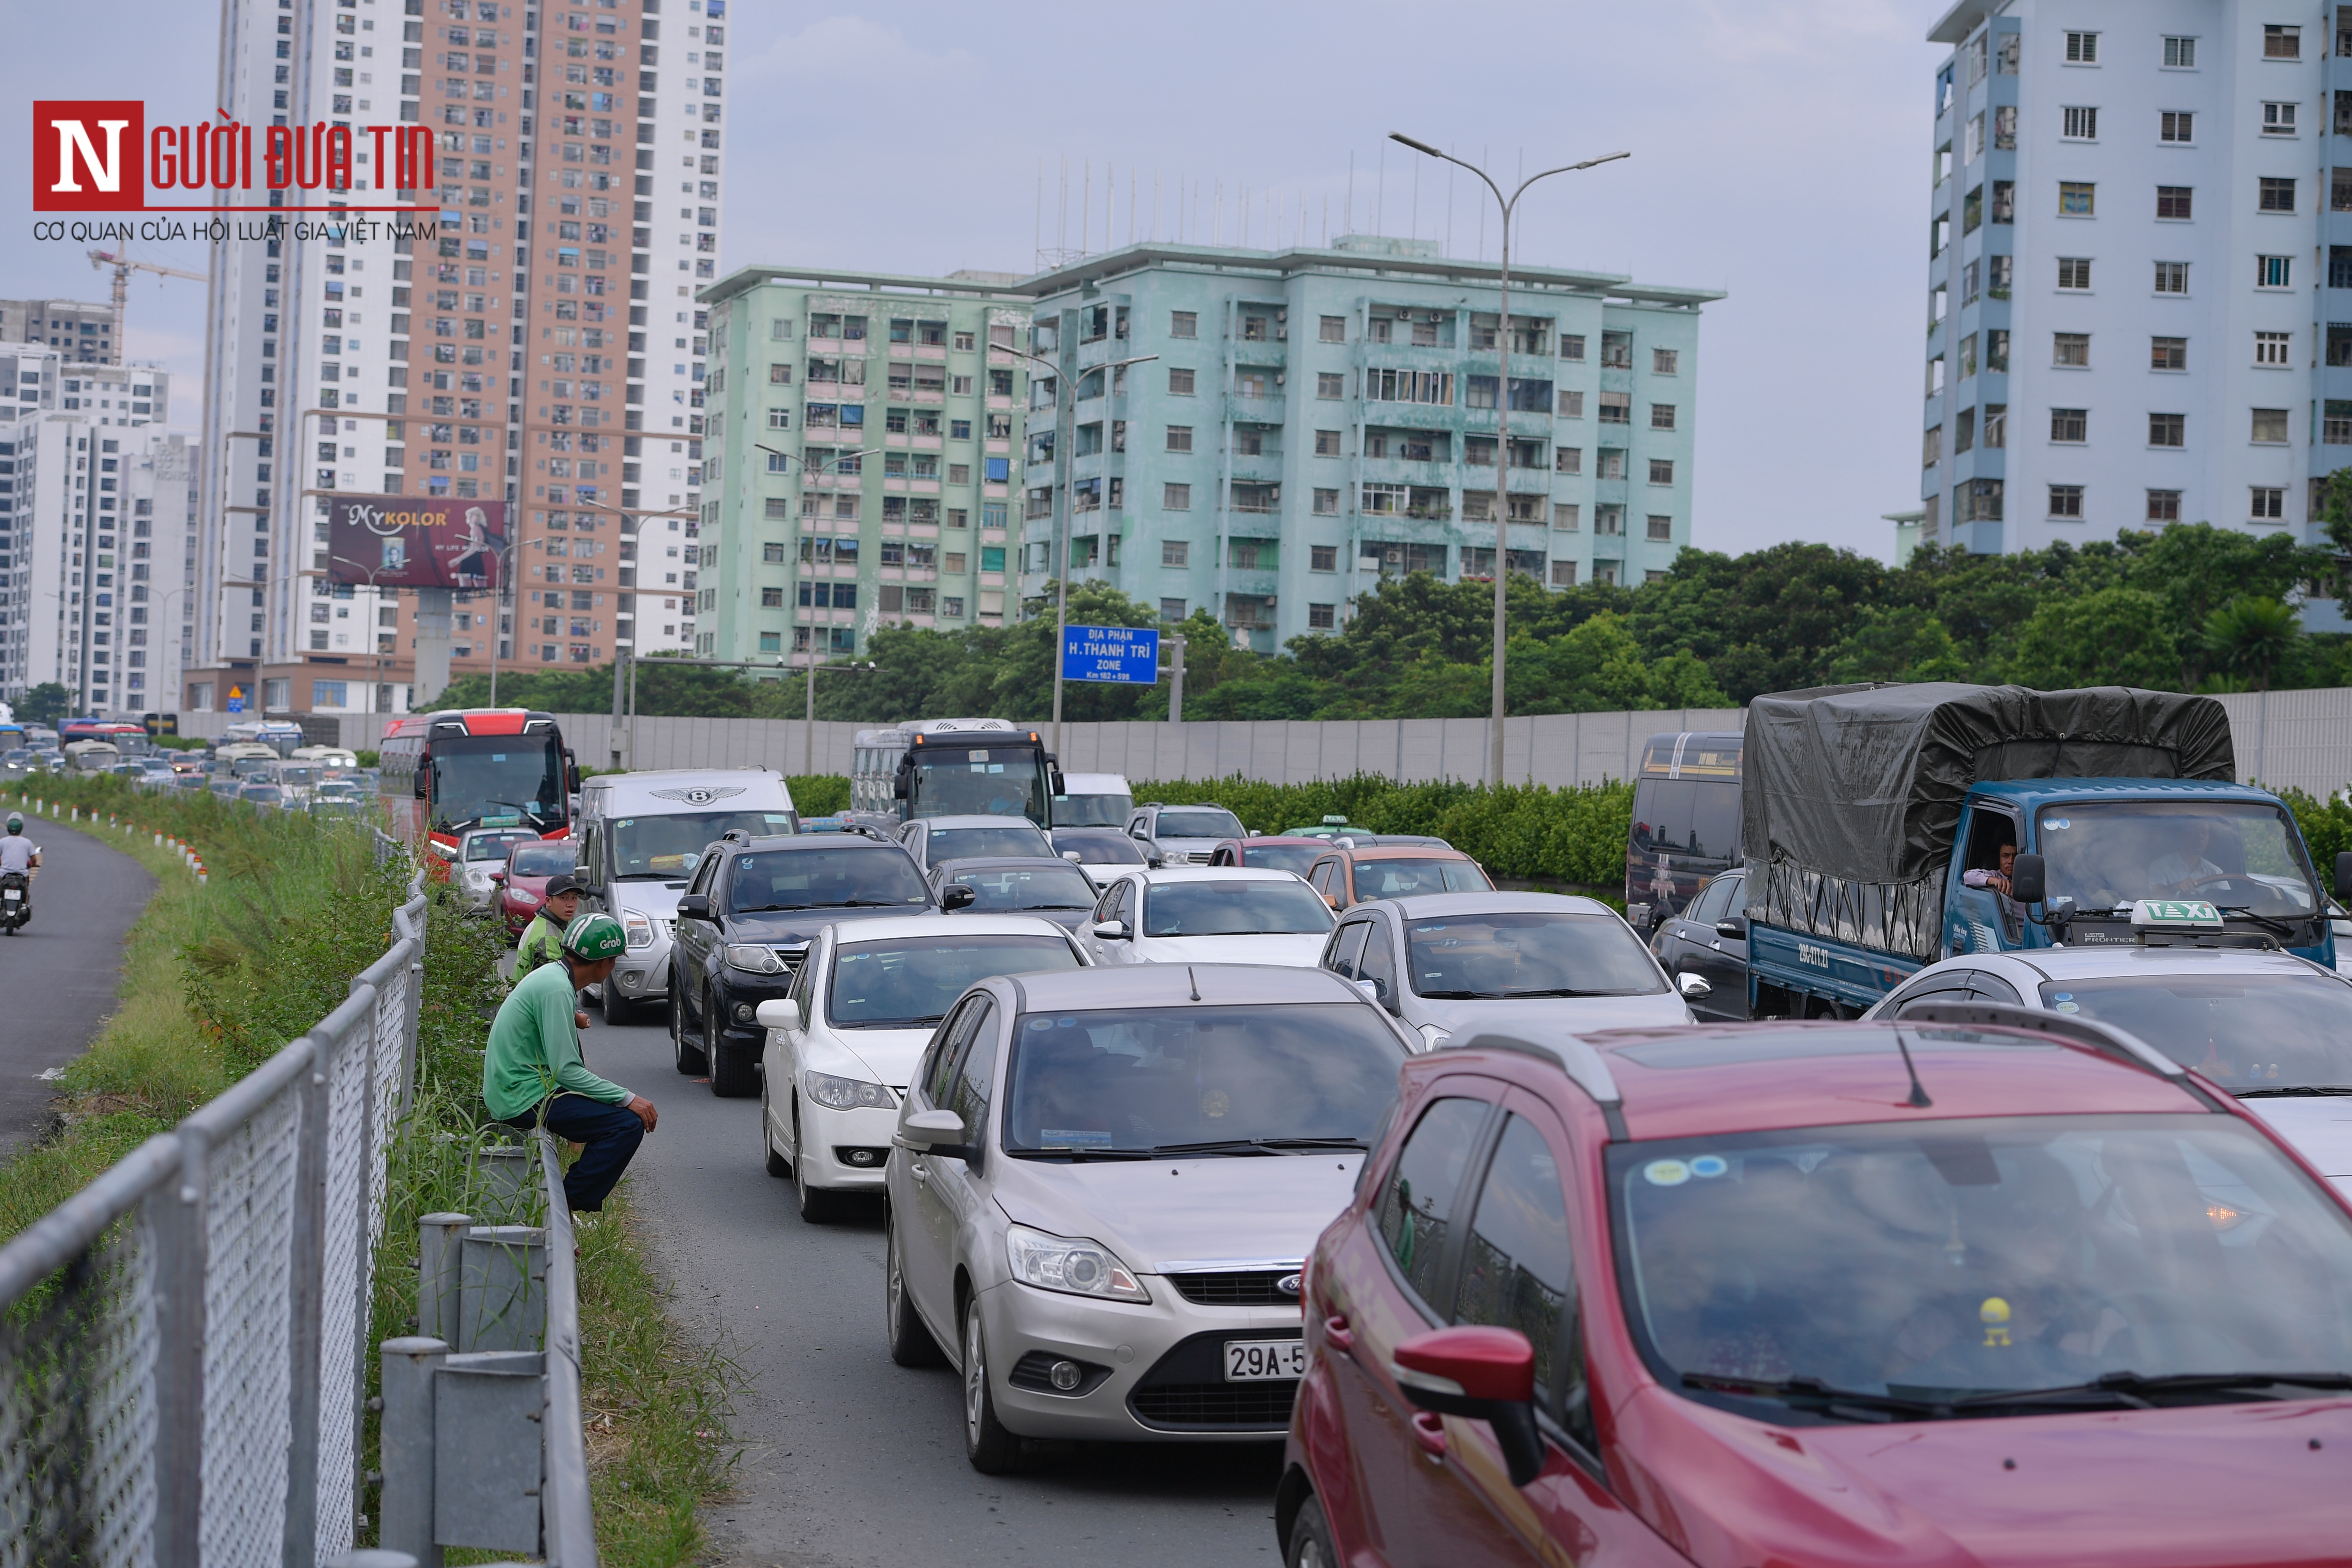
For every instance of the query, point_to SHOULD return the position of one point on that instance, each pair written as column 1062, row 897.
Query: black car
column 1008, row 884
column 744, row 923
column 1101, row 847
column 1709, row 939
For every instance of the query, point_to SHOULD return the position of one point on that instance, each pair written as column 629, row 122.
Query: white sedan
column 842, row 1046
column 1203, row 914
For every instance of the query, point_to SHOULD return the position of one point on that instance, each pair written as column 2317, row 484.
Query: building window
column 2278, row 119
column 1180, row 381
column 1327, row 502
column 2082, row 49
column 1322, row 558
column 1996, row 424
column 2167, row 429
column 2282, row 43
column 1331, row 385
column 2004, row 201
column 2273, row 271
column 2079, row 124
column 1171, row 609
column 1332, row 330
column 1567, row 460
column 2069, row 425
column 1616, row 408
column 2181, row 55
column 1661, row 529
column 2167, row 353
column 2073, row 272
column 1183, row 323
column 1661, row 416
column 2270, row 348
column 2173, row 201
column 2172, row 277
column 2266, row 504
column 1567, row 517
column 1563, row 574
column 2164, row 506
column 2335, row 421
column 2077, row 198
column 2339, row 266
column 1662, row 470
column 1320, row 617
column 1175, row 497
column 2269, row 427
column 2066, row 500
column 2176, row 125
column 1571, row 405
column 1327, row 443
column 1180, row 437
column 2339, row 185
column 2277, row 195
column 1175, row 552
column 1663, row 361
column 1981, row 501
column 2070, row 349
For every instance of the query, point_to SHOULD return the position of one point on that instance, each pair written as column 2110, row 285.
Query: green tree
column 2114, row 636
column 1768, row 621
column 2252, row 636
column 1901, row 643
column 43, row 704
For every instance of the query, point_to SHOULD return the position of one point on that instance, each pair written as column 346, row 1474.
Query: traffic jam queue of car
column 2016, row 1234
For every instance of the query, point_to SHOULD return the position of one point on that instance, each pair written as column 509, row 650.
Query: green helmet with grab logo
column 594, row 938
column 16, row 822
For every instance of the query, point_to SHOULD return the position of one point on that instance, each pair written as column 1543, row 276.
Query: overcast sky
column 1780, row 153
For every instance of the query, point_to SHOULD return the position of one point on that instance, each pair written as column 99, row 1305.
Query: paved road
column 850, row 1460
column 58, row 973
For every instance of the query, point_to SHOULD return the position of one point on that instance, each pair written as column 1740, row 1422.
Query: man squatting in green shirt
column 532, row 1071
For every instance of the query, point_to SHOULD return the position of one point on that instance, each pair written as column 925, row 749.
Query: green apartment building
column 858, row 461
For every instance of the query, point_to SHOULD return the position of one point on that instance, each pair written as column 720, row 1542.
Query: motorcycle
column 15, row 900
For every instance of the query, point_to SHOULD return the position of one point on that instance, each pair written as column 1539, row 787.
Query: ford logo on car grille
column 1288, row 1285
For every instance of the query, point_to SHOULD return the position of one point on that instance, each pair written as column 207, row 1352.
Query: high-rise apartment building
column 83, row 333
column 498, row 358
column 859, row 461
column 2140, row 245
column 1316, row 419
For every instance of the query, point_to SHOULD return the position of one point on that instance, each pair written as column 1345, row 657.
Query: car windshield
column 1234, row 908
column 1047, row 885
column 826, row 879
column 1016, row 837
column 1102, row 848
column 266, row 794
column 1533, row 953
column 298, row 776
column 490, row 845
column 1939, row 1260
column 995, row 779
column 911, row 985
column 2243, row 856
column 1295, row 857
column 1092, row 810
column 1233, row 1080
column 543, row 859
column 1422, row 874
column 2252, row 1034
column 1197, row 824
column 672, row 847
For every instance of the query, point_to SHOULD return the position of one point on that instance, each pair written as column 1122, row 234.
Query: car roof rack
column 2121, row 1045
column 1576, row 1058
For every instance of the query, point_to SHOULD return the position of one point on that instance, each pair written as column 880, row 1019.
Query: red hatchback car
column 1988, row 1288
column 522, row 880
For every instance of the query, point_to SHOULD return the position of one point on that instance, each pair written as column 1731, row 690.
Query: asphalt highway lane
column 58, row 973
column 849, row 1459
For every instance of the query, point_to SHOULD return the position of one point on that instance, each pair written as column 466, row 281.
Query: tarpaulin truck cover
column 1853, row 793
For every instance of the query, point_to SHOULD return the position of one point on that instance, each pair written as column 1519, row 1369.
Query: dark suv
column 744, row 923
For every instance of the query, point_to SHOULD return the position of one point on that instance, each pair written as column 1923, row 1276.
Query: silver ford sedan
column 1103, row 1188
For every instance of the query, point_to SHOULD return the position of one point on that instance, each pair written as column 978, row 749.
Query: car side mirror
column 1732, row 926
column 1111, row 930
column 694, row 907
column 1072, row 855
column 937, row 1133
column 2344, row 874
column 1155, row 860
column 1332, row 900
column 1480, row 1373
column 1692, row 986
column 1370, row 988
column 958, row 896
column 781, row 1014
column 500, row 875
column 2029, row 879
column 424, row 781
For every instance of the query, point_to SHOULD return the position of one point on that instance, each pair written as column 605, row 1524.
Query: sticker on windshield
column 1709, row 1166
column 2048, row 822
column 1215, row 1103
column 2068, row 1007
column 1667, row 1173
column 774, row 820
column 1065, row 1137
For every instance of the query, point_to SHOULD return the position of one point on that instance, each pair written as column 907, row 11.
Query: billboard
column 414, row 541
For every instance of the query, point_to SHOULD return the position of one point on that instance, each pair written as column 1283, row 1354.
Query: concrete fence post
column 411, row 1365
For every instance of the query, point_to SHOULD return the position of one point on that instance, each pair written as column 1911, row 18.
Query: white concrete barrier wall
column 2302, row 739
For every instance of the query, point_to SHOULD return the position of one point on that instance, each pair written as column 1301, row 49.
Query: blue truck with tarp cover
column 1865, row 810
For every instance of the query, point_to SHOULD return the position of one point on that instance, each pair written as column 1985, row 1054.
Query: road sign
column 1121, row 656
column 236, row 698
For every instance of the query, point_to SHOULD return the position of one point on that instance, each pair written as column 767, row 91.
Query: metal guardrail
column 567, row 1522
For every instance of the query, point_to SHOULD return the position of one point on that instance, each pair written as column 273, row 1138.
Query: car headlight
column 1074, row 1268
column 1434, row 1037
column 845, row 1093
column 641, row 932
column 525, row 896
column 756, row 960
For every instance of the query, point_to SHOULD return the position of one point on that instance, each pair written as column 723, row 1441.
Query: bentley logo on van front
column 699, row 794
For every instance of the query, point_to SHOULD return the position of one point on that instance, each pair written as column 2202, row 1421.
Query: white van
column 641, row 837
column 1094, row 800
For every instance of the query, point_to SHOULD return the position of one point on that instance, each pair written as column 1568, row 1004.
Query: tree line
column 2186, row 608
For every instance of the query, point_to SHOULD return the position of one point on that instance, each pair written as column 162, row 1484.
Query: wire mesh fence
column 182, row 1342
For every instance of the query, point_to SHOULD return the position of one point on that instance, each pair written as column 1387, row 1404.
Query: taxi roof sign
column 2175, row 914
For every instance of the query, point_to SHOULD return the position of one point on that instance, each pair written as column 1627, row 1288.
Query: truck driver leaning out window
column 1997, row 880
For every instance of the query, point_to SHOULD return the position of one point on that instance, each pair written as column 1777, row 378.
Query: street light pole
column 622, row 728
column 1502, row 419
column 1068, row 462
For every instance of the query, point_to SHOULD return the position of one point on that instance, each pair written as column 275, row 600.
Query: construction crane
column 123, row 267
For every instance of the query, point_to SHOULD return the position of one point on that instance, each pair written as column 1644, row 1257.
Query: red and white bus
column 447, row 773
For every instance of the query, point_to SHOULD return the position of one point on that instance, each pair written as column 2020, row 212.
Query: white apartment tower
column 2132, row 275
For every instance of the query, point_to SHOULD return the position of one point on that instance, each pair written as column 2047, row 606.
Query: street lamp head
column 1416, row 146
column 1604, row 158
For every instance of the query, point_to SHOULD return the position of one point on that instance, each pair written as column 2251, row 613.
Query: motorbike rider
column 20, row 856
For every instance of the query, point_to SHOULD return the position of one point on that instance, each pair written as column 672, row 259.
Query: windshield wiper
column 1257, row 1145
column 1079, row 1155
column 2131, row 1387
column 2294, row 1092
column 1812, row 1394
column 2276, row 927
column 932, row 1022
column 1563, row 991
